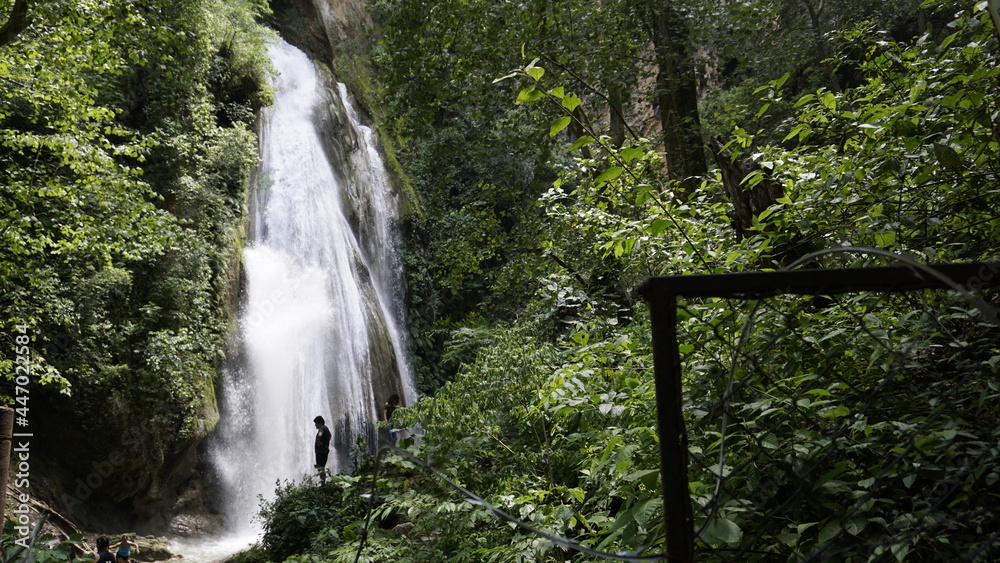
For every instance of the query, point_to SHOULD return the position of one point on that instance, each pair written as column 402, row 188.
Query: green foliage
column 252, row 555
column 562, row 439
column 901, row 162
column 126, row 145
column 44, row 550
column 847, row 425
column 474, row 195
column 752, row 43
column 601, row 403
column 300, row 512
column 477, row 162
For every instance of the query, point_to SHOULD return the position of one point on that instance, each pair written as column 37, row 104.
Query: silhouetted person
column 390, row 406
column 322, row 447
column 103, row 555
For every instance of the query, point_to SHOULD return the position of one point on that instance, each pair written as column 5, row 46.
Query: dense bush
column 45, row 549
column 302, row 514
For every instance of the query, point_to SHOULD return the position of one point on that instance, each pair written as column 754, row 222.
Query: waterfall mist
column 320, row 324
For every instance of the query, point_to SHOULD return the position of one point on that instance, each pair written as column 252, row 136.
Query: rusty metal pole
column 673, row 436
column 6, row 435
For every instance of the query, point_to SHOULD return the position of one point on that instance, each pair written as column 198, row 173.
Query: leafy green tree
column 126, row 143
column 748, row 44
column 71, row 186
column 478, row 162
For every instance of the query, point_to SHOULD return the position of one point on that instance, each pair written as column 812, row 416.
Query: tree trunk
column 577, row 131
column 747, row 203
column 16, row 23
column 616, row 119
column 994, row 13
column 820, row 42
column 677, row 97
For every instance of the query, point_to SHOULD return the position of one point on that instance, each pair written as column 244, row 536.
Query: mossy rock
column 153, row 548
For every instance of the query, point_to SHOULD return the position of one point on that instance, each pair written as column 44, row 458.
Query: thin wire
column 726, row 398
column 476, row 500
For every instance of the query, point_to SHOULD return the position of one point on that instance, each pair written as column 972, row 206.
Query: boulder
column 188, row 525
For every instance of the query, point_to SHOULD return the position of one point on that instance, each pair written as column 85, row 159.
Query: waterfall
column 320, row 323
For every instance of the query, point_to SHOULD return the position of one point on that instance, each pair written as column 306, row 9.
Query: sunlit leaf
column 558, row 125
column 529, row 94
column 610, row 173
column 581, row 142
column 571, row 102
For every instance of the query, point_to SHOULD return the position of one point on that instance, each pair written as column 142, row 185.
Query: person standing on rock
column 322, row 447
column 103, row 555
column 124, row 550
column 390, row 407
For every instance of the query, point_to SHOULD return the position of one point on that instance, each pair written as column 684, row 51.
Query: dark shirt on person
column 323, row 437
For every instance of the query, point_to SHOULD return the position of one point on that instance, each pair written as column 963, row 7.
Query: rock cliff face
column 115, row 464
column 324, row 28
column 342, row 20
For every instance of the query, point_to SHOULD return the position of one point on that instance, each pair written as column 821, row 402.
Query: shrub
column 300, row 511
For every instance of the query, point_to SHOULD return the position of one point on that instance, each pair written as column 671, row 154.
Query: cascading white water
column 319, row 326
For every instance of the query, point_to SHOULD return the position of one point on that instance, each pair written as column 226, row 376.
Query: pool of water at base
column 207, row 550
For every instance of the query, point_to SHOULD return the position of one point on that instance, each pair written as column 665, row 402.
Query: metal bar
column 818, row 281
column 673, row 436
